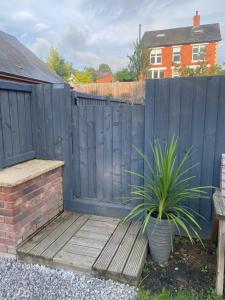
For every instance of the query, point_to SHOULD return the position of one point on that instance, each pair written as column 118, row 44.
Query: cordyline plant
column 166, row 189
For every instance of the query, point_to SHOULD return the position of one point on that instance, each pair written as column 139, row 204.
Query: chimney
column 139, row 37
column 196, row 19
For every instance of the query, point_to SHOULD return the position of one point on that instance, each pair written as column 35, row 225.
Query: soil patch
column 190, row 267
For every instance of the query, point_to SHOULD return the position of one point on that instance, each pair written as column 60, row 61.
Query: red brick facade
column 28, row 206
column 173, row 49
column 186, row 58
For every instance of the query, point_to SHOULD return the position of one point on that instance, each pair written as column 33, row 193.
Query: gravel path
column 21, row 281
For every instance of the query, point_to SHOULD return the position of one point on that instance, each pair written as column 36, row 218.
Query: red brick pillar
column 30, row 196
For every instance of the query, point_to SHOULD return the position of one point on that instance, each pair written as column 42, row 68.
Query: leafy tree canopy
column 81, row 77
column 104, row 68
column 201, row 70
column 91, row 72
column 57, row 63
column 139, row 61
column 124, row 75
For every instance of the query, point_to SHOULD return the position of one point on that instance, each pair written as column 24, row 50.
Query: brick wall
column 27, row 206
column 186, row 57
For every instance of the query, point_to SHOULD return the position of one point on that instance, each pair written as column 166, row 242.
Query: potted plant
column 160, row 202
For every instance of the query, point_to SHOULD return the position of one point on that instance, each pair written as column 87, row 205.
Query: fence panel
column 103, row 140
column 52, row 130
column 16, row 141
column 194, row 110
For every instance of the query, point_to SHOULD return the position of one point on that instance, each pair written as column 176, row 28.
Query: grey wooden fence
column 16, row 141
column 103, row 140
column 96, row 140
column 194, row 110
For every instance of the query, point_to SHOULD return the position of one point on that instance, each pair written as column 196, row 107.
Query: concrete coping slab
column 20, row 173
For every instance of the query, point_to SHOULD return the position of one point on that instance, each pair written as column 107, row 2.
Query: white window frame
column 158, row 70
column 156, row 53
column 176, row 53
column 199, row 52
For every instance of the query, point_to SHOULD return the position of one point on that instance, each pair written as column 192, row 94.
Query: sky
column 90, row 32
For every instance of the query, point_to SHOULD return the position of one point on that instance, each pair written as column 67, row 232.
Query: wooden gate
column 103, row 139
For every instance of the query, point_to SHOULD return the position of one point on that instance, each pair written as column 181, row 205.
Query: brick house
column 105, row 77
column 184, row 46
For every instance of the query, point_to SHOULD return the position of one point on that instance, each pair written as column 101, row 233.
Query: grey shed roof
column 18, row 60
column 182, row 35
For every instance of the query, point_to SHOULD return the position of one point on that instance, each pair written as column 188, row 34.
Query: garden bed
column 191, row 268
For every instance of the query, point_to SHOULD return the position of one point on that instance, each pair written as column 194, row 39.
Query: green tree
column 104, row 68
column 81, row 77
column 57, row 63
column 124, row 75
column 91, row 72
column 201, row 70
column 139, row 61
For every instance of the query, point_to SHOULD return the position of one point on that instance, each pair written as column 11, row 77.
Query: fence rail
column 89, row 99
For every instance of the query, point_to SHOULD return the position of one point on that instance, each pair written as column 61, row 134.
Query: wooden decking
column 93, row 244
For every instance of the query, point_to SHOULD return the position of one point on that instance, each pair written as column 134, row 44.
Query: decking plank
column 94, row 236
column 51, row 251
column 104, row 259
column 36, row 239
column 87, row 242
column 136, row 260
column 97, row 229
column 104, row 225
column 81, row 250
column 80, row 262
column 46, row 242
column 104, row 219
column 119, row 260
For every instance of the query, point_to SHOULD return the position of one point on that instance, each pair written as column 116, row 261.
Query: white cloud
column 23, row 16
column 39, row 27
column 90, row 32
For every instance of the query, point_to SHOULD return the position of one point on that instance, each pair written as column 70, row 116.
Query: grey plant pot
column 160, row 236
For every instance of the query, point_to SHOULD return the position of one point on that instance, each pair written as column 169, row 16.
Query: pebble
column 23, row 281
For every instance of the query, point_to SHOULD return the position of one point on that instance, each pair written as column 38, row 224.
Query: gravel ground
column 21, row 281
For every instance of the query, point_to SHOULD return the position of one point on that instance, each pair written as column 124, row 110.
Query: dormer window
column 198, row 52
column 160, row 35
column 177, row 54
column 156, row 56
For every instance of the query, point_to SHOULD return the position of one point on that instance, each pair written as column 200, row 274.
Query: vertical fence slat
column 27, row 100
column 48, row 120
column 91, row 155
column 76, row 152
column 220, row 141
column 99, row 117
column 6, row 123
column 209, row 140
column 174, row 108
column 116, row 150
column 108, row 153
column 13, row 104
column 83, row 151
column 198, row 134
